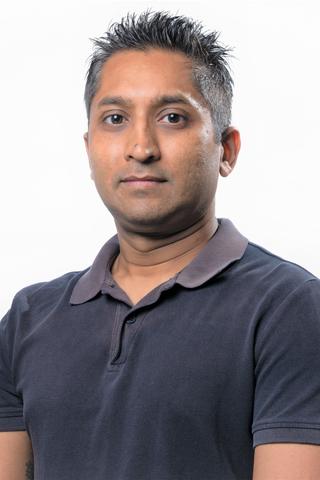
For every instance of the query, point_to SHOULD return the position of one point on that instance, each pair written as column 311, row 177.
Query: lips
column 146, row 178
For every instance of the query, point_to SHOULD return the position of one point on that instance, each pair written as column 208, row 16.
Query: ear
column 85, row 138
column 86, row 142
column 231, row 144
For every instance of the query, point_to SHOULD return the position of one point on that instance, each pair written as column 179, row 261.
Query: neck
column 159, row 258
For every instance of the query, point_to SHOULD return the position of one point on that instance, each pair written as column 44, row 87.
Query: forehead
column 148, row 74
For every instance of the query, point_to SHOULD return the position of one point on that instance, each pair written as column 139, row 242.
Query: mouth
column 145, row 179
column 146, row 183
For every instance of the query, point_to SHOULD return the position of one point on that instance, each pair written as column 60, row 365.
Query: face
column 151, row 143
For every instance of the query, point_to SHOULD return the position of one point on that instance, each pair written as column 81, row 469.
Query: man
column 184, row 352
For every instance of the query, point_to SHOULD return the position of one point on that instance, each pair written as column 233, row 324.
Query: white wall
column 52, row 219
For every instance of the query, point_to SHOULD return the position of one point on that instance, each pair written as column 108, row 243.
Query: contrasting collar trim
column 225, row 246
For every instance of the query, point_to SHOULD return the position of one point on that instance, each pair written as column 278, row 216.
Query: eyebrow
column 158, row 102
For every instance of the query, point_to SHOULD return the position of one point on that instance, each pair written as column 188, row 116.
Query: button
column 131, row 320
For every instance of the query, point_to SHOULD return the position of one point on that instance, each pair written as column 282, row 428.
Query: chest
column 188, row 360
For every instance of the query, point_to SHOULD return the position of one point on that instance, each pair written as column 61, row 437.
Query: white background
column 53, row 221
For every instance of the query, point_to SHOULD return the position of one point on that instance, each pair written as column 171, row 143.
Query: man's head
column 174, row 33
column 152, row 141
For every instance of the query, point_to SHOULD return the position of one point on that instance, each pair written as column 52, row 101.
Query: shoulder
column 270, row 271
column 41, row 297
column 262, row 281
column 259, row 257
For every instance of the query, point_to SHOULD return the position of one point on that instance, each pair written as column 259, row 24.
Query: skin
column 16, row 457
column 163, row 225
column 287, row 461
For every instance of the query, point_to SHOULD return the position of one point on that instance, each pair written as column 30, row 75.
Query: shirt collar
column 225, row 246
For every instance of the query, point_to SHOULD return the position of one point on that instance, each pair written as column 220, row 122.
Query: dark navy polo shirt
column 183, row 385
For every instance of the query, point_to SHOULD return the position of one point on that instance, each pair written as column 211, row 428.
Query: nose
column 142, row 145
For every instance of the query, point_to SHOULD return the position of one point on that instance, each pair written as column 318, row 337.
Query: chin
column 154, row 226
column 148, row 222
column 144, row 216
column 155, row 221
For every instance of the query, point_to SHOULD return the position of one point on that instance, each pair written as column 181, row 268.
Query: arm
column 286, row 461
column 286, row 419
column 16, row 459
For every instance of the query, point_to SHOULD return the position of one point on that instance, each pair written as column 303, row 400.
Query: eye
column 114, row 119
column 174, row 118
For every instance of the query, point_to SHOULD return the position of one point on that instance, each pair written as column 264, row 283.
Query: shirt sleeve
column 11, row 404
column 287, row 389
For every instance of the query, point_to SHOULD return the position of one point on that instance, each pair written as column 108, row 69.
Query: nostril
column 146, row 155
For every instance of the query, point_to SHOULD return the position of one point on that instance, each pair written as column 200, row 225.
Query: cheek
column 105, row 157
column 202, row 163
column 103, row 146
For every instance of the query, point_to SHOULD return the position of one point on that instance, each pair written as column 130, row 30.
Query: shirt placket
column 128, row 321
column 126, row 326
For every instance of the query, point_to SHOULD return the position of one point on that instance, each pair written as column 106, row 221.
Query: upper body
column 183, row 352
column 184, row 384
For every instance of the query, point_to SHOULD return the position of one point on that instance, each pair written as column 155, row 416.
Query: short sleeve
column 11, row 404
column 287, row 353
